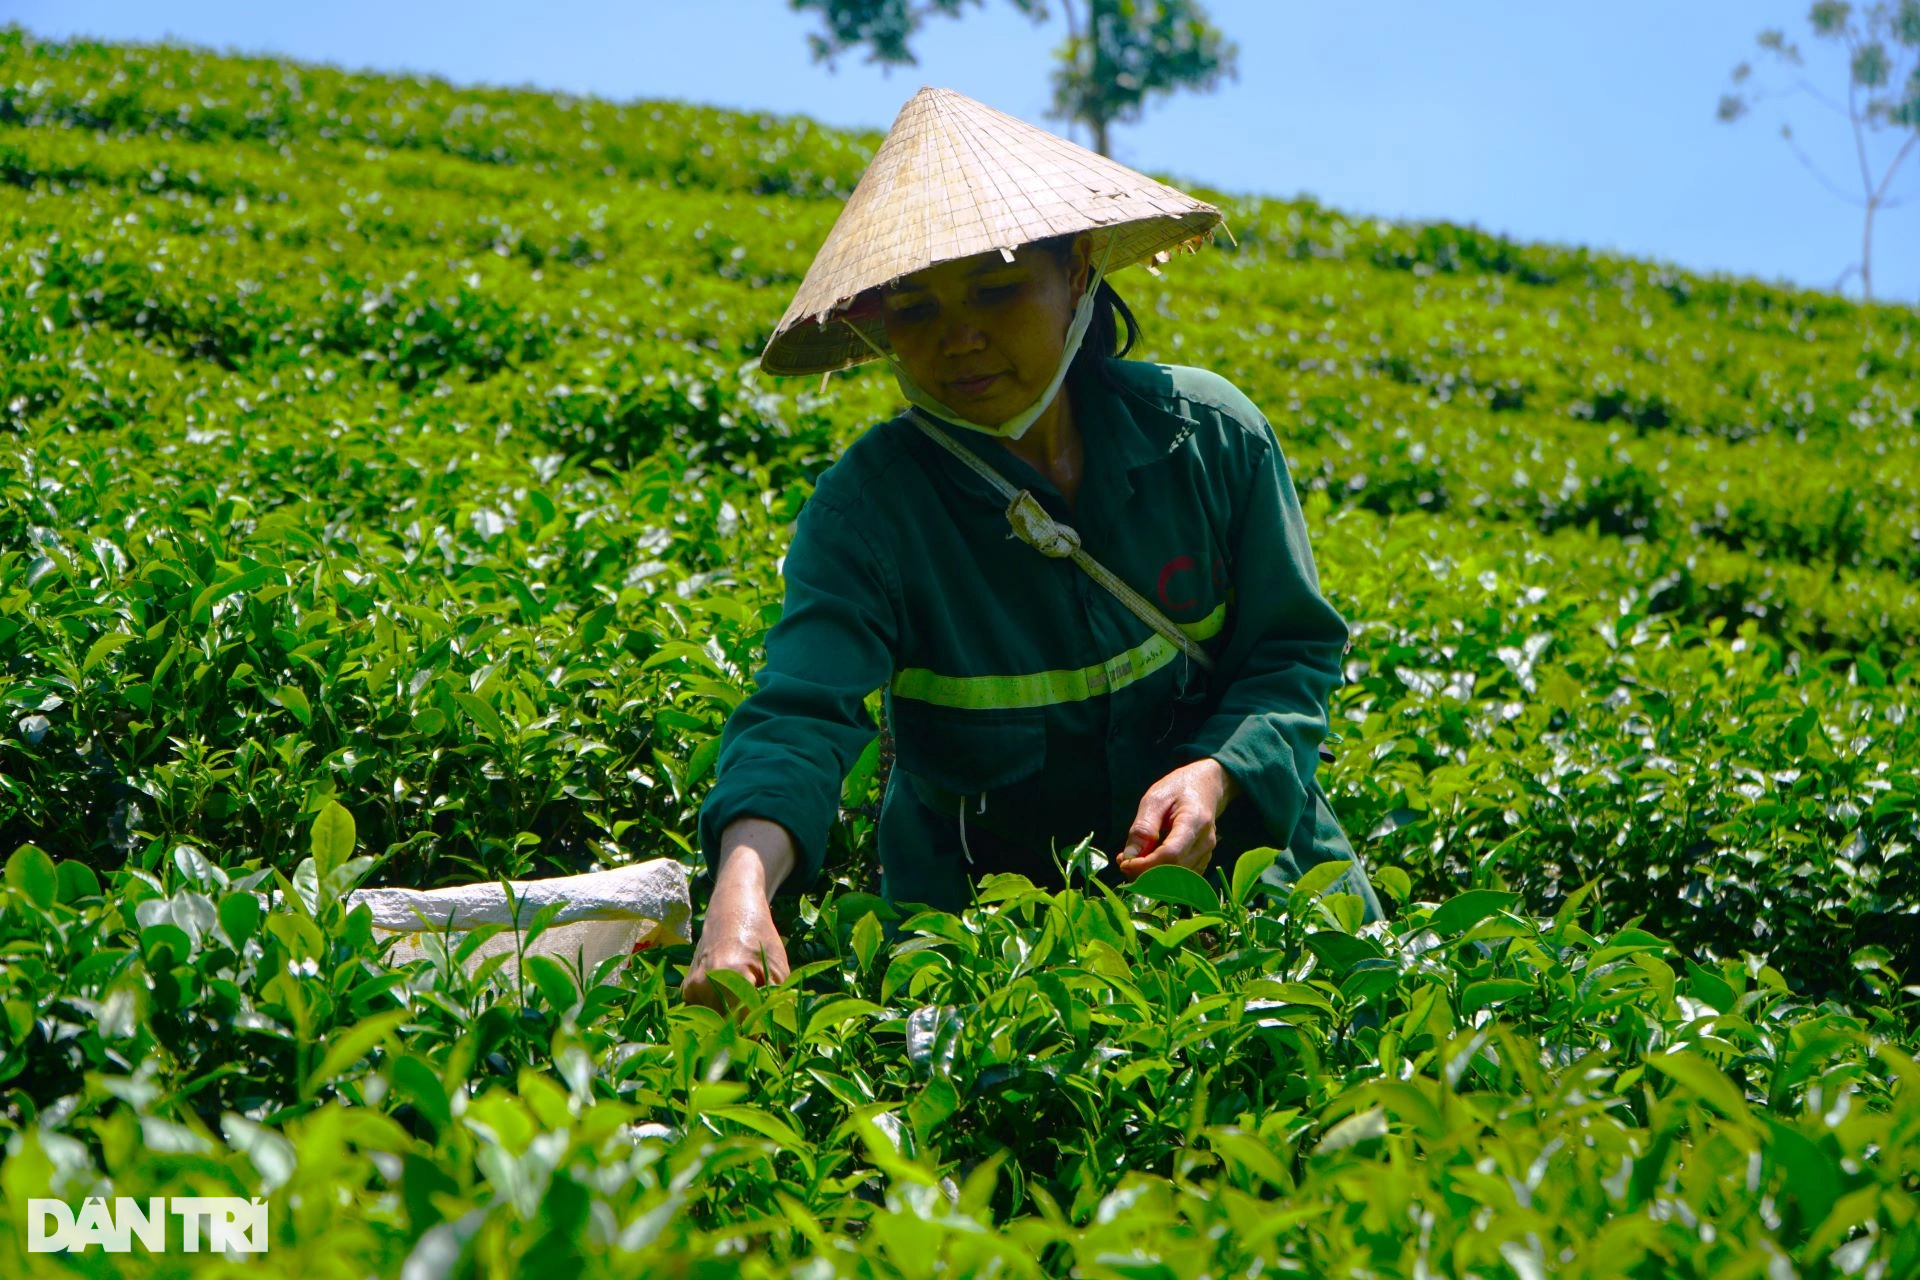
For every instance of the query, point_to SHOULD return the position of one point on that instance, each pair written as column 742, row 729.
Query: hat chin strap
column 1015, row 427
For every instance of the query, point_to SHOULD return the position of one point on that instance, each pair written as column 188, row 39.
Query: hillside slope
column 350, row 326
column 383, row 470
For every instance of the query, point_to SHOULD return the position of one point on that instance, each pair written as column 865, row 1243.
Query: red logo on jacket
column 1176, row 585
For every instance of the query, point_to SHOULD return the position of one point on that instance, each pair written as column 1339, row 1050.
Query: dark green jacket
column 1020, row 690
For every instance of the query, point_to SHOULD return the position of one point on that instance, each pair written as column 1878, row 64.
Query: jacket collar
column 1129, row 430
column 1120, row 433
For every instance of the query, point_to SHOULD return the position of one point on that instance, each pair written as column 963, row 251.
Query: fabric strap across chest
column 1057, row 541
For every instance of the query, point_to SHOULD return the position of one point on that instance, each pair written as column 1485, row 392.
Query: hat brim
column 826, row 342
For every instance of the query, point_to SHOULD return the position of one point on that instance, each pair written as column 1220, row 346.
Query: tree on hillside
column 1882, row 41
column 1118, row 54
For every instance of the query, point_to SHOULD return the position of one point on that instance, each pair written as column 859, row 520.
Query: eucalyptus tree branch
column 1859, row 133
column 1820, row 177
column 1813, row 92
column 1898, row 160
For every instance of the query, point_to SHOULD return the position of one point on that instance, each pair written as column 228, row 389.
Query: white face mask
column 1015, row 427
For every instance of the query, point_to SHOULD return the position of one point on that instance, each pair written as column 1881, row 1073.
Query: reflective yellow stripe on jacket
column 1048, row 688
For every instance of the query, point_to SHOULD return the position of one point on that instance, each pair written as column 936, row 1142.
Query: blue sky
column 1575, row 123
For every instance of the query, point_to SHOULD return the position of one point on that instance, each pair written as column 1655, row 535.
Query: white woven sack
column 604, row 913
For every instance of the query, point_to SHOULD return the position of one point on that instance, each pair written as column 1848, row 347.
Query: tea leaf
column 759, row 1122
column 1247, row 870
column 106, row 644
column 1320, row 878
column 1462, row 911
column 1355, row 1129
column 931, row 1105
column 1341, row 951
column 1480, row 995
column 353, row 1044
column 1703, row 1080
column 30, row 871
column 481, row 712
column 866, row 939
column 1177, row 885
column 555, row 983
column 331, row 838
column 295, row 701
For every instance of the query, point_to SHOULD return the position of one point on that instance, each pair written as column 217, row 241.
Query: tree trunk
column 1073, row 43
column 1866, row 255
column 1096, row 75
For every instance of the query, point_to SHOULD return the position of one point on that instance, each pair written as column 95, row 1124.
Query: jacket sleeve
column 788, row 746
column 1282, row 660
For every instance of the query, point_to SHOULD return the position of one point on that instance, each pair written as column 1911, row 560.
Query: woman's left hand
column 1175, row 821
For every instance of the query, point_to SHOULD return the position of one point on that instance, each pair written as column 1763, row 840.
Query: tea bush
column 393, row 454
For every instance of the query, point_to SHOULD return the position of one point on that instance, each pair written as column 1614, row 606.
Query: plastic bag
column 603, row 913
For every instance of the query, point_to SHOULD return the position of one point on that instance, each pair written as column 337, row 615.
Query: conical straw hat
column 955, row 178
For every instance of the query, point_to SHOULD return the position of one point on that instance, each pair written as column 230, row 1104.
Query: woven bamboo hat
column 956, row 178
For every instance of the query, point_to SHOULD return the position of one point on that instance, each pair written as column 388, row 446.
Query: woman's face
column 982, row 335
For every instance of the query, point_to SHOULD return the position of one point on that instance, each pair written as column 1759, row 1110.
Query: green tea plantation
column 388, row 497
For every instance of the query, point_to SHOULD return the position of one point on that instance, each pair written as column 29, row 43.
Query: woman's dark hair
column 1110, row 315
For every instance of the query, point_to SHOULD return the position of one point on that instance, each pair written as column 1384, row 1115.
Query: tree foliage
column 884, row 26
column 1118, row 54
column 1131, row 51
column 1882, row 43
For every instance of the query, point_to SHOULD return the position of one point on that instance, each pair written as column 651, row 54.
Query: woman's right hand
column 738, row 933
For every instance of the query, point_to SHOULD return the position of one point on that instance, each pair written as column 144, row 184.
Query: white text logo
column 227, row 1224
